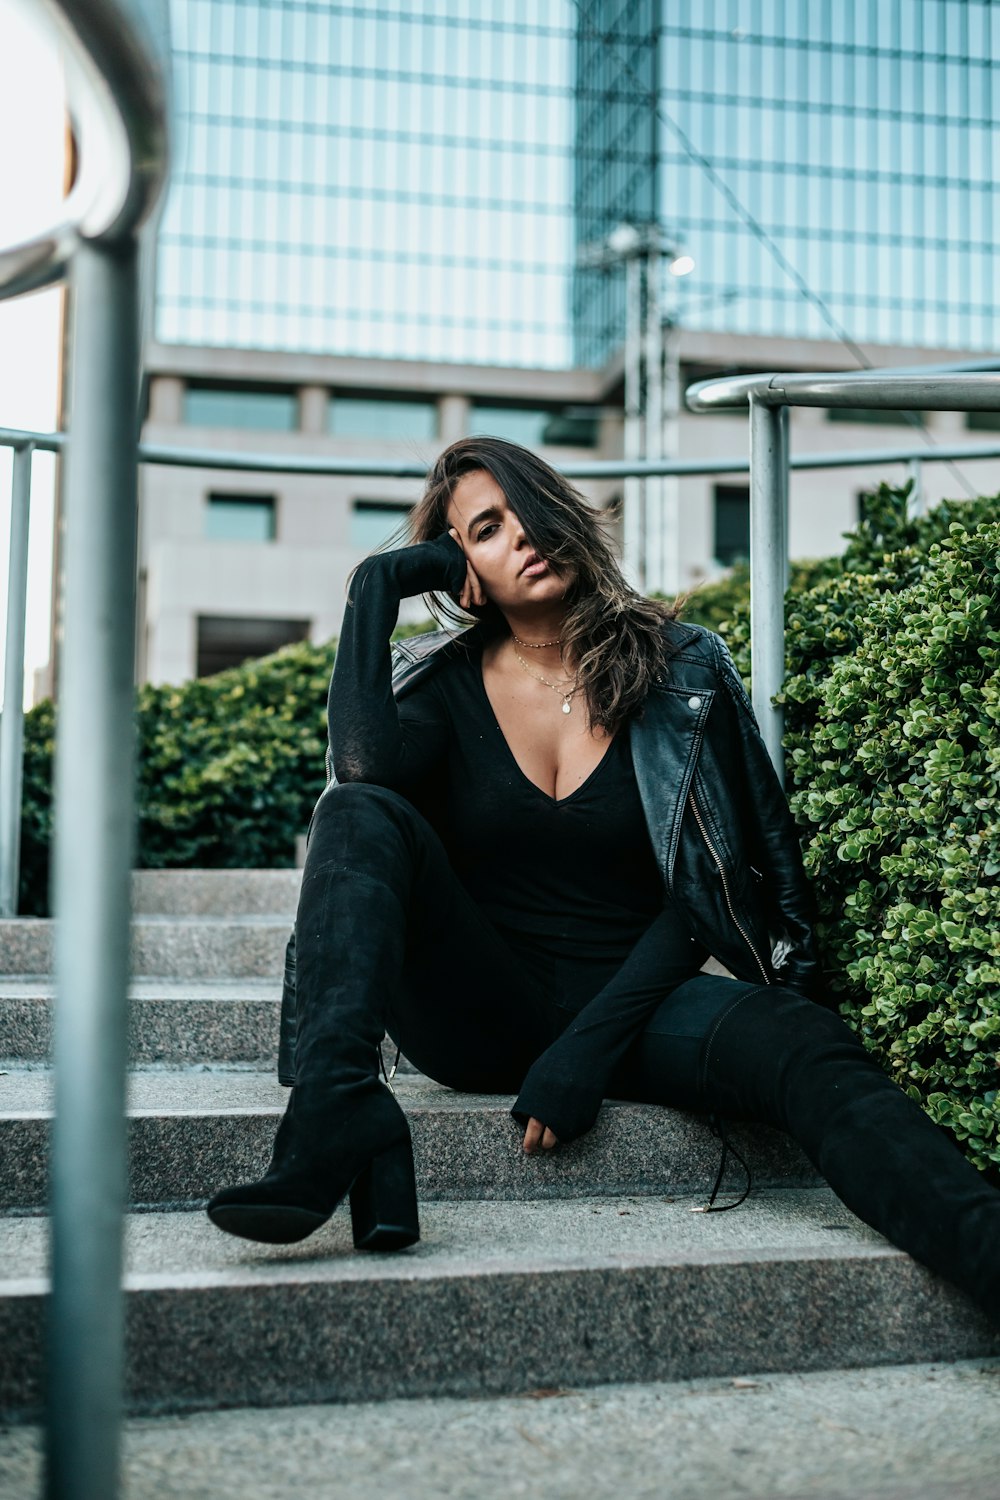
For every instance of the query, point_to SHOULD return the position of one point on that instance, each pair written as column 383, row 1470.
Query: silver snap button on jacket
column 694, row 703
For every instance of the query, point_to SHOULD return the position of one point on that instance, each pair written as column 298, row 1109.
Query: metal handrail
column 708, row 396
column 117, row 101
column 25, row 443
column 116, row 56
column 877, row 390
column 333, row 466
column 769, row 397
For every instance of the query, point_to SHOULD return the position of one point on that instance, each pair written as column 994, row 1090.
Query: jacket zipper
column 725, row 885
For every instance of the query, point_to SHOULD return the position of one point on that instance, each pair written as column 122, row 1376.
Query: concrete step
column 216, row 893
column 498, row 1298
column 193, row 1132
column 870, row 1434
column 224, row 1022
column 172, row 1021
column 165, row 947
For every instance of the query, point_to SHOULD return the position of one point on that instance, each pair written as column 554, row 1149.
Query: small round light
column 623, row 239
column 682, row 266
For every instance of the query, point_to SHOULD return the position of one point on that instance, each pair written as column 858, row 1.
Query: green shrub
column 892, row 738
column 229, row 766
column 36, row 809
column 716, row 604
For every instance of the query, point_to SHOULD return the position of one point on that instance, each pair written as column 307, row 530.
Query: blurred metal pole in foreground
column 93, row 857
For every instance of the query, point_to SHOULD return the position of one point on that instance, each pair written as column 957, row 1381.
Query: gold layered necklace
column 567, row 705
column 537, row 645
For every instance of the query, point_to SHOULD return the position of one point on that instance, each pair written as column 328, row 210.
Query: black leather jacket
column 720, row 826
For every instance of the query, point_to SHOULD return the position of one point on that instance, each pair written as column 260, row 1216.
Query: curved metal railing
column 879, row 389
column 117, row 100
column 768, row 396
column 116, row 62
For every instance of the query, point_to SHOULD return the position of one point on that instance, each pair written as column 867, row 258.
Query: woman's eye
column 486, row 531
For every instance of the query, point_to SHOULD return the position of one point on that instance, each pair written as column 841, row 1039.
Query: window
column 261, row 408
column 382, row 417
column 374, row 521
column 558, row 426
column 983, row 421
column 732, row 523
column 240, row 518
column 878, row 416
column 225, row 641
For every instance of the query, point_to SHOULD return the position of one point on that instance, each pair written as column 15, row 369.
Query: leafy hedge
column 892, row 737
column 716, row 605
column 228, row 768
column 36, row 809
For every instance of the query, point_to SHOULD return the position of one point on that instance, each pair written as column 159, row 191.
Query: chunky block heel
column 384, row 1201
column 328, row 1143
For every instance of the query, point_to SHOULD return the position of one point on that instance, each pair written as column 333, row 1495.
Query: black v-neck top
column 576, row 873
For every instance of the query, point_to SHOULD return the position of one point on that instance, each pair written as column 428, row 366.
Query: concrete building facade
column 274, row 551
column 235, row 564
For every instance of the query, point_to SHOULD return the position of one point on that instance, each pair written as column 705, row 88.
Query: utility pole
column 650, row 528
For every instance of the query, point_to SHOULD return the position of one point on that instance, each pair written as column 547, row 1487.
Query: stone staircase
column 571, row 1269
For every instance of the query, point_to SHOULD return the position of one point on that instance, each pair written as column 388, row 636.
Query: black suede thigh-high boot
column 385, row 931
column 343, row 1131
column 780, row 1058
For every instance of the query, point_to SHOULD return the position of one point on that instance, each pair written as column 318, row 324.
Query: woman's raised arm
column 372, row 738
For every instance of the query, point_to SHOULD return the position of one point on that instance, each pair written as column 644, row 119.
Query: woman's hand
column 538, row 1133
column 472, row 591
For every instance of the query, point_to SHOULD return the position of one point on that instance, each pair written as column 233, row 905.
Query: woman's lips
column 535, row 569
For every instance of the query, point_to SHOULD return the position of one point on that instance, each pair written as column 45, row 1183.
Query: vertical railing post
column 671, row 446
column 768, row 566
column 93, row 857
column 653, row 406
column 12, row 721
column 633, row 521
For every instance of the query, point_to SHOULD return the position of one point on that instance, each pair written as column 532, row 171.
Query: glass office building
column 859, row 137
column 414, row 178
column 381, row 179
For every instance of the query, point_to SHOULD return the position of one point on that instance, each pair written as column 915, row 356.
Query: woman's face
column 510, row 570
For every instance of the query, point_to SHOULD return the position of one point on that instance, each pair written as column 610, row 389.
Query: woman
column 538, row 831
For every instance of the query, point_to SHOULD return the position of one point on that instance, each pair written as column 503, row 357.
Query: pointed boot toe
column 251, row 1213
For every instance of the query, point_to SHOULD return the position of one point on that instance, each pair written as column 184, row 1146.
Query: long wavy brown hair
column 612, row 636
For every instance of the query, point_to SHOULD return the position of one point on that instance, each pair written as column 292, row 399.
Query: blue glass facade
column 860, row 136
column 372, row 179
column 413, row 179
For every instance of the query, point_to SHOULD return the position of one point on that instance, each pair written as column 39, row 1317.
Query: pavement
column 910, row 1432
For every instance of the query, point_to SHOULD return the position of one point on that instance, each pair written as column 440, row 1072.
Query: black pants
column 387, row 935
